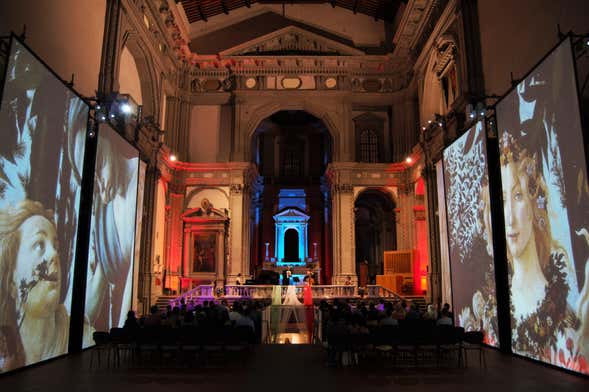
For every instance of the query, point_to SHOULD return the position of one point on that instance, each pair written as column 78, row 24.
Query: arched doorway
column 291, row 246
column 291, row 149
column 375, row 233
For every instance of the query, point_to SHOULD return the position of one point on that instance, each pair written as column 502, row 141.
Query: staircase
column 418, row 300
column 163, row 301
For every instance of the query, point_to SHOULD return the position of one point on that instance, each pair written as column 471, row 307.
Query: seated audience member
column 188, row 320
column 380, row 306
column 388, row 319
column 430, row 313
column 413, row 313
column 154, row 319
column 447, row 308
column 445, row 318
column 235, row 313
column 398, row 311
column 245, row 320
column 131, row 325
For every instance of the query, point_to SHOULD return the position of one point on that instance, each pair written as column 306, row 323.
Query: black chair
column 473, row 341
column 103, row 345
column 148, row 343
column 122, row 344
column 190, row 343
column 448, row 340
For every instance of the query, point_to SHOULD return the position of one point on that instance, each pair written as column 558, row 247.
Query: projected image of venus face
column 546, row 212
column 42, row 129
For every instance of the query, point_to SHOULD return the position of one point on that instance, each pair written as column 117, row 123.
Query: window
column 368, row 146
column 291, row 164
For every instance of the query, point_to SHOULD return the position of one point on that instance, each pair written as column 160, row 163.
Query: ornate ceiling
column 202, row 10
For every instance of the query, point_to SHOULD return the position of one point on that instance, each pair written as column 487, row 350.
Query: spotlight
column 91, row 133
column 409, row 160
column 423, row 128
column 471, row 115
column 126, row 108
column 112, row 115
column 429, row 121
column 482, row 113
column 101, row 117
column 173, row 158
column 98, row 107
column 587, row 42
column 440, row 124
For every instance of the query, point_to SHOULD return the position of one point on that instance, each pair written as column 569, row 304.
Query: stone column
column 174, row 259
column 344, row 242
column 146, row 273
column 238, row 233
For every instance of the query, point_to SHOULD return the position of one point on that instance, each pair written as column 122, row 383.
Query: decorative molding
column 236, row 189
column 292, row 39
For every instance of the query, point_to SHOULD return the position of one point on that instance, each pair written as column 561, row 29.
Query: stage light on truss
column 126, row 108
column 409, row 160
column 173, row 158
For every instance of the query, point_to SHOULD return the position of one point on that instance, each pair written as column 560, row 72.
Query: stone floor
column 291, row 368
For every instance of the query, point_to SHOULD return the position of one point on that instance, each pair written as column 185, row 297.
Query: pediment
column 292, row 40
column 291, row 215
column 201, row 214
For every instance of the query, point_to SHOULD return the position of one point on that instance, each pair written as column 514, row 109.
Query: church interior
column 316, row 170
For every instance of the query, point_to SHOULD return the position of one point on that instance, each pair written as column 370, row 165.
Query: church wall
column 129, row 80
column 68, row 47
column 362, row 29
column 515, row 36
column 205, row 125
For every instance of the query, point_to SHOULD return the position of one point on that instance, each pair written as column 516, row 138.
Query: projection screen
column 110, row 256
column 546, row 210
column 42, row 131
column 470, row 239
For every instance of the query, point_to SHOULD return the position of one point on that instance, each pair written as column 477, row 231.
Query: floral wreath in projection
column 544, row 334
column 465, row 169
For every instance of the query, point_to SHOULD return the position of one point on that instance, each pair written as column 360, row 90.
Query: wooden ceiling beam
column 201, row 13
column 224, row 7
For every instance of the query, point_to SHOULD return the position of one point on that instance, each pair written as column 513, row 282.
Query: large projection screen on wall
column 42, row 140
column 546, row 210
column 470, row 239
column 110, row 256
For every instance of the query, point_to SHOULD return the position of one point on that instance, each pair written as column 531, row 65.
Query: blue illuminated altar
column 291, row 231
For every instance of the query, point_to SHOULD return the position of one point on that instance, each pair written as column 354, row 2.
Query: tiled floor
column 301, row 368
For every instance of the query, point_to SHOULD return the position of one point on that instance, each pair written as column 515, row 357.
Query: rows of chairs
column 415, row 343
column 164, row 345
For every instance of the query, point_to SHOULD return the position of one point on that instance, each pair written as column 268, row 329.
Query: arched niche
column 148, row 76
column 327, row 114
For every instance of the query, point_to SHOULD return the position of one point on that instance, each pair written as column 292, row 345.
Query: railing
column 197, row 293
column 265, row 291
column 205, row 292
column 376, row 291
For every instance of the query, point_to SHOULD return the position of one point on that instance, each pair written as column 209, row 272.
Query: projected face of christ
column 517, row 210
